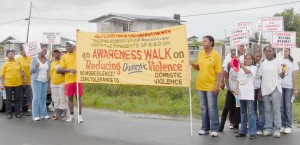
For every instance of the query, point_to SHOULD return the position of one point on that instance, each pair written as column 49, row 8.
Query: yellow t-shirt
column 25, row 64
column 11, row 70
column 56, row 78
column 68, row 61
column 209, row 66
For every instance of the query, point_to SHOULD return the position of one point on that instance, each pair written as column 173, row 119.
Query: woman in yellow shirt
column 208, row 64
column 11, row 78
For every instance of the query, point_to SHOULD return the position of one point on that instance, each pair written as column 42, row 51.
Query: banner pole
column 191, row 111
column 77, row 88
column 259, row 37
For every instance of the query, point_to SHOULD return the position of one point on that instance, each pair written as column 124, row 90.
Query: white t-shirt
column 246, row 83
column 269, row 71
column 287, row 81
column 257, row 80
column 232, row 77
column 43, row 72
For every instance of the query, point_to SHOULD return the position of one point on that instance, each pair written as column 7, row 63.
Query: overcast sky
column 214, row 25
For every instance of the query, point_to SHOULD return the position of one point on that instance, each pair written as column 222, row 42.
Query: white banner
column 248, row 26
column 32, row 48
column 51, row 37
column 239, row 36
column 273, row 24
column 284, row 39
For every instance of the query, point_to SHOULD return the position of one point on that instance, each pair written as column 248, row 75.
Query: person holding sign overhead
column 208, row 64
column 68, row 66
column 11, row 73
column 39, row 69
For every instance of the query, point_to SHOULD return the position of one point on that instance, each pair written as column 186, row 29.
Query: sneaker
column 252, row 136
column 282, row 129
column 28, row 113
column 240, row 135
column 287, row 130
column 70, row 118
column 214, row 134
column 36, row 119
column 267, row 133
column 231, row 126
column 9, row 116
column 18, row 116
column 236, row 130
column 202, row 132
column 46, row 117
column 259, row 132
column 277, row 134
column 80, row 120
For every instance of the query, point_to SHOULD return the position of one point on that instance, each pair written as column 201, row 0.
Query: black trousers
column 229, row 107
column 10, row 91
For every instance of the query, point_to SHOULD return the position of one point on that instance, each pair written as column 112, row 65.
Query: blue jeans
column 272, row 111
column 286, row 108
column 260, row 116
column 209, row 110
column 251, row 117
column 39, row 90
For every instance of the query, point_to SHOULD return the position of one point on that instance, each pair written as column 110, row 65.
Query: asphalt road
column 116, row 128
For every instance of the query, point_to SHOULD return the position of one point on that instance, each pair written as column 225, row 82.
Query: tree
column 291, row 22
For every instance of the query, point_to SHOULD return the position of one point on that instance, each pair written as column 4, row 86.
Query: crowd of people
column 32, row 77
column 259, row 94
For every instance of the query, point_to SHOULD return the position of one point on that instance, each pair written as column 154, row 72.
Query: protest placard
column 284, row 39
column 156, row 57
column 247, row 25
column 239, row 36
column 51, row 38
column 32, row 48
column 259, row 25
column 271, row 24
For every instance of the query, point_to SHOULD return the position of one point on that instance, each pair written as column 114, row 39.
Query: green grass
column 170, row 101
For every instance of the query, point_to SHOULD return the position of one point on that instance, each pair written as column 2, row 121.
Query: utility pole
column 225, row 33
column 28, row 22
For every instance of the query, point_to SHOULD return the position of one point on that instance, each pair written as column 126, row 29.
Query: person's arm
column 218, row 69
column 34, row 65
column 3, row 71
column 295, row 87
column 195, row 66
column 282, row 72
column 3, row 79
column 225, row 74
column 247, row 71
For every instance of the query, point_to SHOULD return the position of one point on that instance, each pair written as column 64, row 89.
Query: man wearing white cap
column 68, row 66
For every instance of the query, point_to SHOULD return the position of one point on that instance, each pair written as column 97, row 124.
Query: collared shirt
column 68, row 61
column 56, row 78
column 25, row 64
column 11, row 70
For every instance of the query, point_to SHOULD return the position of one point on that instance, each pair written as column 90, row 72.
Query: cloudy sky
column 215, row 25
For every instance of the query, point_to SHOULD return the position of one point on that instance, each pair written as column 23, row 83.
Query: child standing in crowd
column 289, row 89
column 271, row 74
column 245, row 91
column 258, row 102
column 11, row 73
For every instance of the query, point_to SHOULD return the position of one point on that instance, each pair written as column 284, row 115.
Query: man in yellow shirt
column 68, row 66
column 57, row 80
column 11, row 74
column 25, row 61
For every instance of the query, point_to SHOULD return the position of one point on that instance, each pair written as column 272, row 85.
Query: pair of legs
column 71, row 92
column 259, row 111
column 59, row 99
column 228, row 107
column 248, row 106
column 26, row 90
column 209, row 110
column 286, row 108
column 39, row 90
column 9, row 91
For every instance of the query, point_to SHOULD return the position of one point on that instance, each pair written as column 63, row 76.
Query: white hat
column 62, row 49
column 71, row 42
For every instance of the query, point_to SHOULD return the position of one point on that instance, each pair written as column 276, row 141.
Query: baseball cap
column 71, row 42
column 9, row 50
column 55, row 49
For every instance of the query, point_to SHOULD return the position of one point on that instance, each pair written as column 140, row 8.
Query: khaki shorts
column 58, row 96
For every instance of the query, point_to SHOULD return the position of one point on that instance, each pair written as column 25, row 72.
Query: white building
column 114, row 23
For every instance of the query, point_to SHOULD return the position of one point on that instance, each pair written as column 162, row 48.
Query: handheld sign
column 51, row 37
column 259, row 25
column 32, row 48
column 272, row 24
column 248, row 26
column 284, row 39
column 239, row 36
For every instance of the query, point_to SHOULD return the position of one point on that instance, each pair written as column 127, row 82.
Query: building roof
column 11, row 40
column 129, row 17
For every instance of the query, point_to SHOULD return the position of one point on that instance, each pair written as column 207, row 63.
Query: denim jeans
column 272, row 104
column 260, row 115
column 251, row 117
column 39, row 90
column 209, row 110
column 286, row 108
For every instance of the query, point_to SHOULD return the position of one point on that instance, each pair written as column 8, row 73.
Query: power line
column 13, row 21
column 245, row 9
column 56, row 19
